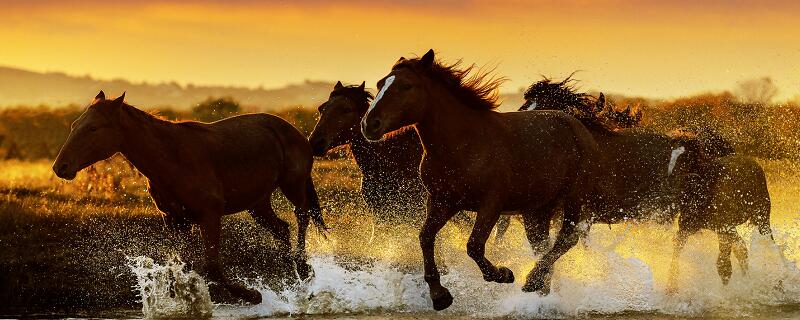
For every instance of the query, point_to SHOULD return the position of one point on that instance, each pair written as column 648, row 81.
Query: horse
column 477, row 159
column 637, row 157
column 718, row 192
column 711, row 159
column 198, row 172
column 389, row 168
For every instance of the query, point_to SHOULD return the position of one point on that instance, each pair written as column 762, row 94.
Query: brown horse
column 480, row 160
column 639, row 157
column 390, row 180
column 198, row 172
column 718, row 193
column 389, row 169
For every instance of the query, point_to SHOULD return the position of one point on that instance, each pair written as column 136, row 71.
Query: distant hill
column 22, row 87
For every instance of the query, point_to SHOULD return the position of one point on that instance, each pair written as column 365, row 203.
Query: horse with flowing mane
column 198, row 172
column 694, row 167
column 480, row 160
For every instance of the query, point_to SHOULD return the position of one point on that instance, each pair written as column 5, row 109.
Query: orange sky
column 650, row 48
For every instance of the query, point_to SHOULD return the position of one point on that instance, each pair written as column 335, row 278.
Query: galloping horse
column 198, row 172
column 707, row 187
column 717, row 192
column 638, row 157
column 389, row 168
column 480, row 160
column 390, row 179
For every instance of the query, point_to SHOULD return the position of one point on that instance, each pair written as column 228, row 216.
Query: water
column 169, row 291
column 619, row 271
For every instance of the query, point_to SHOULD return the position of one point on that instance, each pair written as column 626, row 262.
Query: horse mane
column 472, row 85
column 563, row 95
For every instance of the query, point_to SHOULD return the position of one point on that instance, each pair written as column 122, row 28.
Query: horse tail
column 315, row 209
column 763, row 209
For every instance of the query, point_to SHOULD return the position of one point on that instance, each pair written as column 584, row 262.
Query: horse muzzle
column 63, row 171
column 372, row 129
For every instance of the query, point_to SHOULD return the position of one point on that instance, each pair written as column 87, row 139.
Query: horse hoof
column 505, row 275
column 539, row 288
column 441, row 299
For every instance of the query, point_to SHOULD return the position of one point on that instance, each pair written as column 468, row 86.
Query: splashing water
column 167, row 291
column 611, row 273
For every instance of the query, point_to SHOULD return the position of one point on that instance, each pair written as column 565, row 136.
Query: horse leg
column 476, row 245
column 724, row 260
column 502, row 226
column 537, row 229
column 437, row 216
column 678, row 243
column 300, row 195
column 537, row 279
column 212, row 229
column 265, row 216
column 739, row 250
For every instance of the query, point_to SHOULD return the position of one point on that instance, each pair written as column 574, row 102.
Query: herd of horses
column 432, row 132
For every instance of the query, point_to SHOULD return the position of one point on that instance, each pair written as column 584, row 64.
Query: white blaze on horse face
column 674, row 158
column 386, row 85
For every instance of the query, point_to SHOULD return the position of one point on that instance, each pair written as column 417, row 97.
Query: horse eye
column 92, row 129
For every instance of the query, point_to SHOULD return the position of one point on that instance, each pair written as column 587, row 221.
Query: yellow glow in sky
column 648, row 48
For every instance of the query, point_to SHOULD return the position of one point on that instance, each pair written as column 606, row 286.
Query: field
column 65, row 249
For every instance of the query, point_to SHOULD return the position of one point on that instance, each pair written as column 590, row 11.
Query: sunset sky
column 650, row 48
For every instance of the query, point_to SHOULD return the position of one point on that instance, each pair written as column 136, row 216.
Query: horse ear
column 119, row 100
column 338, row 85
column 100, row 96
column 363, row 85
column 401, row 59
column 600, row 103
column 427, row 59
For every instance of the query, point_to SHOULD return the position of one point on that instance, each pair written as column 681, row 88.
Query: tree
column 760, row 91
column 213, row 109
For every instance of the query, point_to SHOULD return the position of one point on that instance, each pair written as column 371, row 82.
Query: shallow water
column 618, row 271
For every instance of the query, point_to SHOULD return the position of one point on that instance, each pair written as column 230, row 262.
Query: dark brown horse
column 639, row 158
column 711, row 175
column 198, row 172
column 718, row 192
column 480, row 160
column 390, row 180
column 389, row 168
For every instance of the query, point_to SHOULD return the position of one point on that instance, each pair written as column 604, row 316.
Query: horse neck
column 449, row 125
column 366, row 154
column 387, row 157
column 144, row 142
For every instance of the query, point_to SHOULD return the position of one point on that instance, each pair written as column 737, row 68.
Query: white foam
column 673, row 159
column 605, row 276
column 169, row 291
